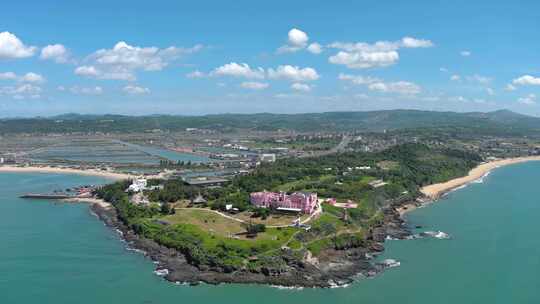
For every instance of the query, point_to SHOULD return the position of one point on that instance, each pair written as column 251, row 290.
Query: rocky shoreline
column 332, row 268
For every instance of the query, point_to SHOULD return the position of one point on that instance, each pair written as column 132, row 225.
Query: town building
column 304, row 202
column 137, row 185
column 377, row 183
column 268, row 158
column 204, row 181
column 347, row 205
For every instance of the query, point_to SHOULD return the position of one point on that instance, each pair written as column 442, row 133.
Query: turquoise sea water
column 60, row 253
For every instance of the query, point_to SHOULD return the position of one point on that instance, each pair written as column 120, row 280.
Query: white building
column 363, row 168
column 137, row 185
column 269, row 158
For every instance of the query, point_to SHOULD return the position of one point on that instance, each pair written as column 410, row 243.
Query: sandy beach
column 437, row 190
column 63, row 170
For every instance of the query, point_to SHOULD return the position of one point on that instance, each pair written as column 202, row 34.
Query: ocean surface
column 61, row 253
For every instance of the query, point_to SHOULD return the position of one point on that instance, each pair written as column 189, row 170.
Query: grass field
column 206, row 220
column 218, row 225
column 217, row 231
column 272, row 219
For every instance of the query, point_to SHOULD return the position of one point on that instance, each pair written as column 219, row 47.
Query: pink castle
column 304, row 202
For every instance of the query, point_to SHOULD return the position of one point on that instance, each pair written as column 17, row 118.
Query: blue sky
column 199, row 57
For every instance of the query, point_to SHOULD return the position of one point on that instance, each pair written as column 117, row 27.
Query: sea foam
column 390, row 263
column 436, row 234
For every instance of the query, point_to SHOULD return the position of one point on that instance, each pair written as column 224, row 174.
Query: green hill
column 498, row 122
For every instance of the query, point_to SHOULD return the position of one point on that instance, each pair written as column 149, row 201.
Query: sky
column 207, row 57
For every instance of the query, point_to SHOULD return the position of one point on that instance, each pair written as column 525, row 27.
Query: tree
column 253, row 229
column 261, row 212
column 166, row 209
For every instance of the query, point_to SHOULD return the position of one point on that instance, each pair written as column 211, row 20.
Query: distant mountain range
column 498, row 122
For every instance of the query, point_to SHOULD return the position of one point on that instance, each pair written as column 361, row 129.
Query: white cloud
column 196, row 74
column 479, row 79
column 27, row 89
column 361, row 96
column 87, row 70
column 431, row 98
column 56, row 52
column 455, row 77
column 459, row 99
column 379, row 46
column 298, row 37
column 130, row 57
column 315, row 48
column 363, row 55
column 357, row 79
column 526, row 80
column 123, row 60
column 364, row 60
column 297, row 40
column 528, row 100
column 293, row 73
column 375, row 84
column 86, row 90
column 465, row 53
column 135, row 90
column 32, row 77
column 288, row 96
column 490, row 91
column 118, row 75
column 288, row 49
column 410, row 42
column 302, row 87
column 443, row 69
column 238, row 70
column 399, row 87
column 93, row 72
column 12, row 47
column 8, row 76
column 476, row 79
column 254, row 85
column 510, row 87
column 23, row 91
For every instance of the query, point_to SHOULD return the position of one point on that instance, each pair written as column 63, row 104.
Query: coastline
column 339, row 268
column 335, row 268
column 63, row 170
column 435, row 191
column 89, row 200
